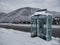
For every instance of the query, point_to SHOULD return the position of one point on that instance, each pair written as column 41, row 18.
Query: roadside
column 26, row 28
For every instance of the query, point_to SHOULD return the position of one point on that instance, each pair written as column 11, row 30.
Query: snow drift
column 13, row 37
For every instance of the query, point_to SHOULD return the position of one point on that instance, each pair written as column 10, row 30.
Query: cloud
column 10, row 5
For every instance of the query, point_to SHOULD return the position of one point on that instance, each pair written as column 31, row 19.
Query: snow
column 14, row 37
column 43, row 13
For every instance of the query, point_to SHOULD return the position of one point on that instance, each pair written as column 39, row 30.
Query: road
column 26, row 28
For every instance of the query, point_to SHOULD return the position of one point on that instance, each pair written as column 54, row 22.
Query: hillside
column 54, row 13
column 23, row 14
column 2, row 15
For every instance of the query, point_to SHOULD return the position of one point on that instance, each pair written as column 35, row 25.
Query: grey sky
column 9, row 5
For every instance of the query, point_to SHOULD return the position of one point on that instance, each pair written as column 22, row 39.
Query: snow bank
column 13, row 37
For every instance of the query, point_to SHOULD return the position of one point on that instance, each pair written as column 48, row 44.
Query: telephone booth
column 41, row 26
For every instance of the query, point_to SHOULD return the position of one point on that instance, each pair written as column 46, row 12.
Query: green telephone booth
column 41, row 26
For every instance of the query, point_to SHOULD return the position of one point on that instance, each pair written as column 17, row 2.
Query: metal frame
column 35, row 26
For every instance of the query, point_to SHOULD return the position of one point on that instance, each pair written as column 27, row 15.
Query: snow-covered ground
column 13, row 37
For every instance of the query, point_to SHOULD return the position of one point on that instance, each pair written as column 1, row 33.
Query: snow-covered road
column 13, row 37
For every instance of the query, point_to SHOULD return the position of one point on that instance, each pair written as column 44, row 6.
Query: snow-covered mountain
column 54, row 13
column 2, row 15
column 23, row 14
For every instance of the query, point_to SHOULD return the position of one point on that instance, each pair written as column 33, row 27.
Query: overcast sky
column 9, row 5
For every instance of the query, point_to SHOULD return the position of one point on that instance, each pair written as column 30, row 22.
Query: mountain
column 54, row 13
column 2, row 15
column 23, row 14
column 19, row 15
